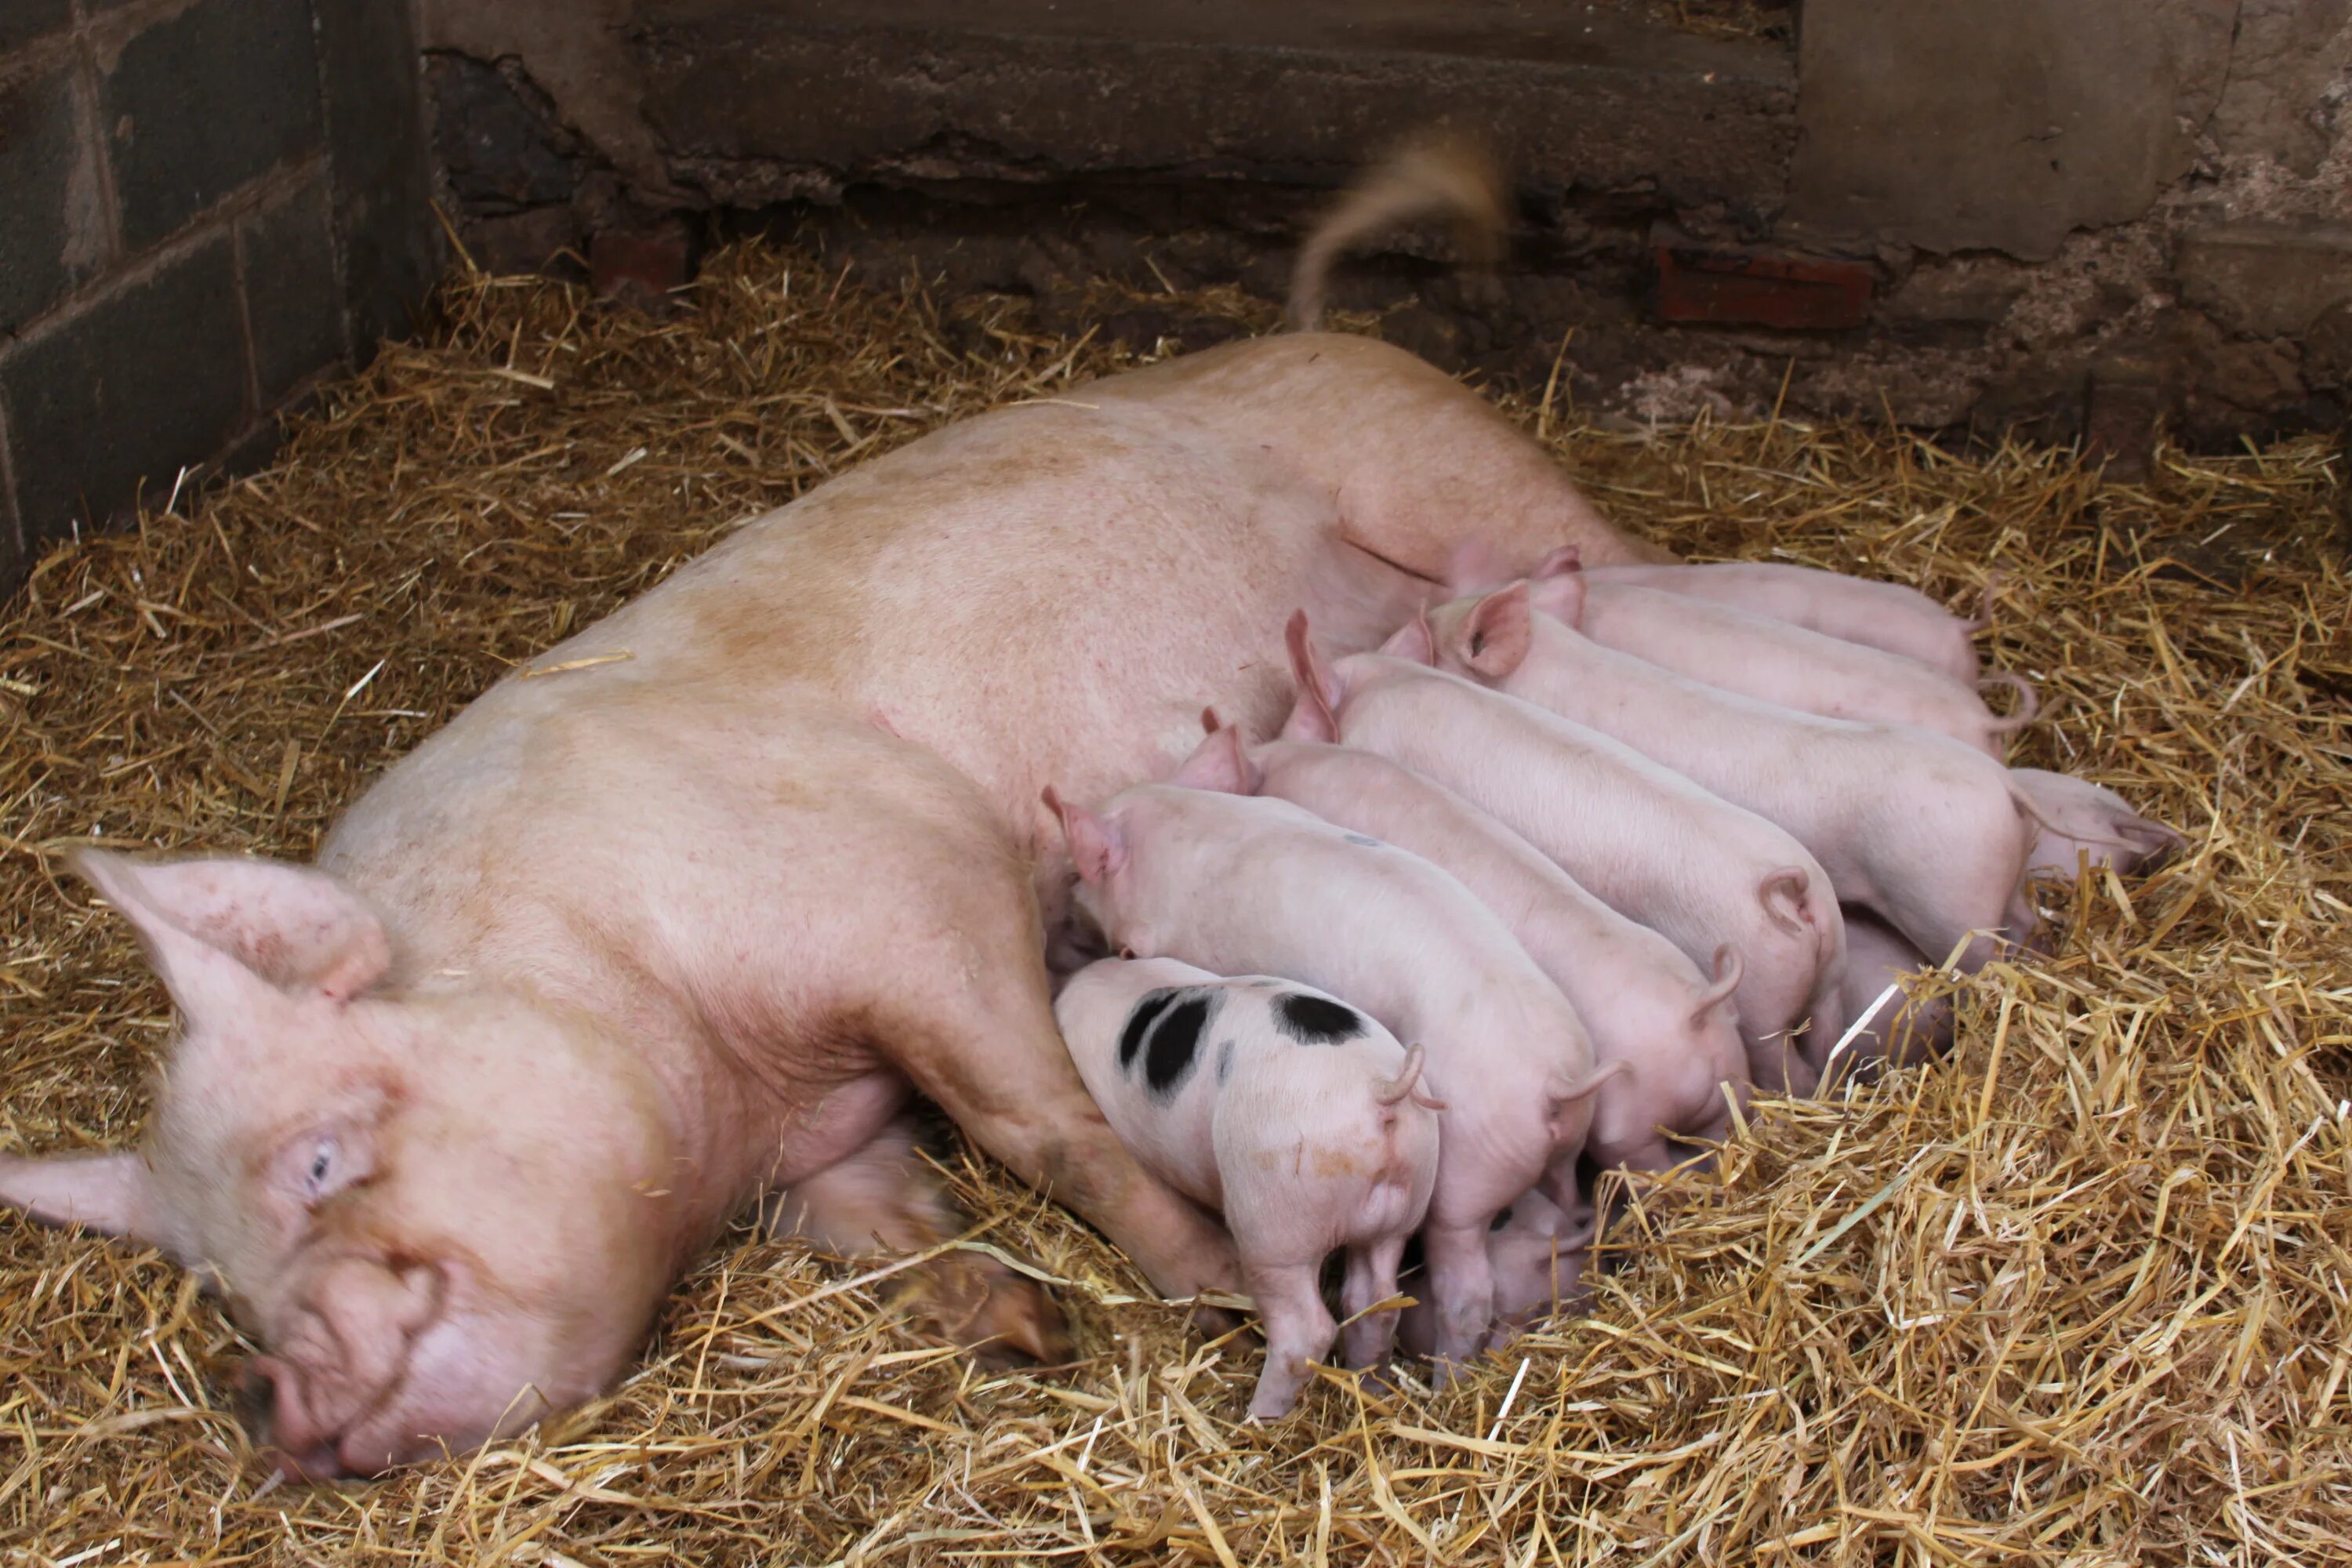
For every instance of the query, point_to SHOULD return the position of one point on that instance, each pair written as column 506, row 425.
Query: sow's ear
column 218, row 929
column 110, row 1193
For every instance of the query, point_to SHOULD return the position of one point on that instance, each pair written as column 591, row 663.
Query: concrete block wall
column 204, row 205
column 2065, row 218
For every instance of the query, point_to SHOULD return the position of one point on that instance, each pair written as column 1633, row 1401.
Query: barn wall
column 204, row 204
column 2072, row 215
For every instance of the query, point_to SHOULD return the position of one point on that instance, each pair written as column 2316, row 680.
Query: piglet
column 1299, row 1118
column 1645, row 1003
column 1782, row 662
column 1541, row 1253
column 1240, row 885
column 2076, row 817
column 1857, row 610
column 1911, row 1025
column 1909, row 823
column 1646, row 841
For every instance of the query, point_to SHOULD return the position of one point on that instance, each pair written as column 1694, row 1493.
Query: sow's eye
column 317, row 1165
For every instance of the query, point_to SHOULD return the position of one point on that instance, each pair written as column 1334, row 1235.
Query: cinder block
column 2266, row 280
column 21, row 21
column 12, row 538
column 1757, row 285
column 292, row 298
column 200, row 103
column 52, row 205
column 149, row 377
column 390, row 242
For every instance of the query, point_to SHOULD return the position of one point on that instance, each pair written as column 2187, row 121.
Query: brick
column 527, row 241
column 54, row 231
column 200, row 104
column 384, row 229
column 21, row 21
column 1757, row 285
column 149, row 378
column 642, row 264
column 2266, row 280
column 293, row 300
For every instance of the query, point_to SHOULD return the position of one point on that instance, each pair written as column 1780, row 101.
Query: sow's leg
column 883, row 1198
column 965, row 1013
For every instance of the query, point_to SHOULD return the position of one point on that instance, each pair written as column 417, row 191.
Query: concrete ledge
column 747, row 104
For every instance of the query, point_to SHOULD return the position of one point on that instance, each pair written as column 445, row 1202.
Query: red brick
column 646, row 263
column 1728, row 285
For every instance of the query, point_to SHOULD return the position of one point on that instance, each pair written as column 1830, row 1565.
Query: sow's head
column 442, row 1209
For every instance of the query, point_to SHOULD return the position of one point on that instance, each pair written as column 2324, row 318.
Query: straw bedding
column 2078, row 1295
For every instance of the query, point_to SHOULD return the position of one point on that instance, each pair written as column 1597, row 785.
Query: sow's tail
column 1431, row 176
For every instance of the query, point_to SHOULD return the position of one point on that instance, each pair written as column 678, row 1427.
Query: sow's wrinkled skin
column 621, row 948
column 1646, row 841
column 1877, row 614
column 1244, row 884
column 1646, row 1004
column 1279, row 1106
column 1780, row 662
column 1912, row 824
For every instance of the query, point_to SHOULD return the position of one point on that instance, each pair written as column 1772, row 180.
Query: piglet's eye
column 323, row 1166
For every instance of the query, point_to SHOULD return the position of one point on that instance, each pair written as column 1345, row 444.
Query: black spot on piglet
column 1365, row 839
column 1175, row 1044
column 1139, row 1023
column 1315, row 1020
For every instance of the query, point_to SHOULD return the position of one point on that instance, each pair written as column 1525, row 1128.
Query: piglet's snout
column 341, row 1357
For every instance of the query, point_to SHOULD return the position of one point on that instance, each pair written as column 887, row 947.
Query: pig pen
column 2076, row 1295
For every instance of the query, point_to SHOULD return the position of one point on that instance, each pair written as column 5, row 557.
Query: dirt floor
column 2076, row 1296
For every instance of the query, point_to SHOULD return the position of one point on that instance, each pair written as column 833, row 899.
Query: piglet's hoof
column 1003, row 1317
column 1215, row 1322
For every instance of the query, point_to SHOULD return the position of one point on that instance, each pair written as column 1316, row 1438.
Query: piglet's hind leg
column 1298, row 1330
column 1371, row 1277
column 1462, row 1283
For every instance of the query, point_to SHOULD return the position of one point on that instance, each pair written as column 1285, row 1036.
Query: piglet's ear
column 1560, row 562
column 1561, row 598
column 1316, row 717
column 1219, row 763
column 1097, row 844
column 215, row 928
column 1413, row 640
column 113, row 1193
column 1492, row 641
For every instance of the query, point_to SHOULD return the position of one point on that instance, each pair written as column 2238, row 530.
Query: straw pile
column 2077, row 1295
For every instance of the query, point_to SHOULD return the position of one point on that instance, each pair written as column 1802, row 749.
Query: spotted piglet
column 1301, row 1119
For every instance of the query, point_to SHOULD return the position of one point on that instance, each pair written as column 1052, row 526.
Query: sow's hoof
column 1001, row 1317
